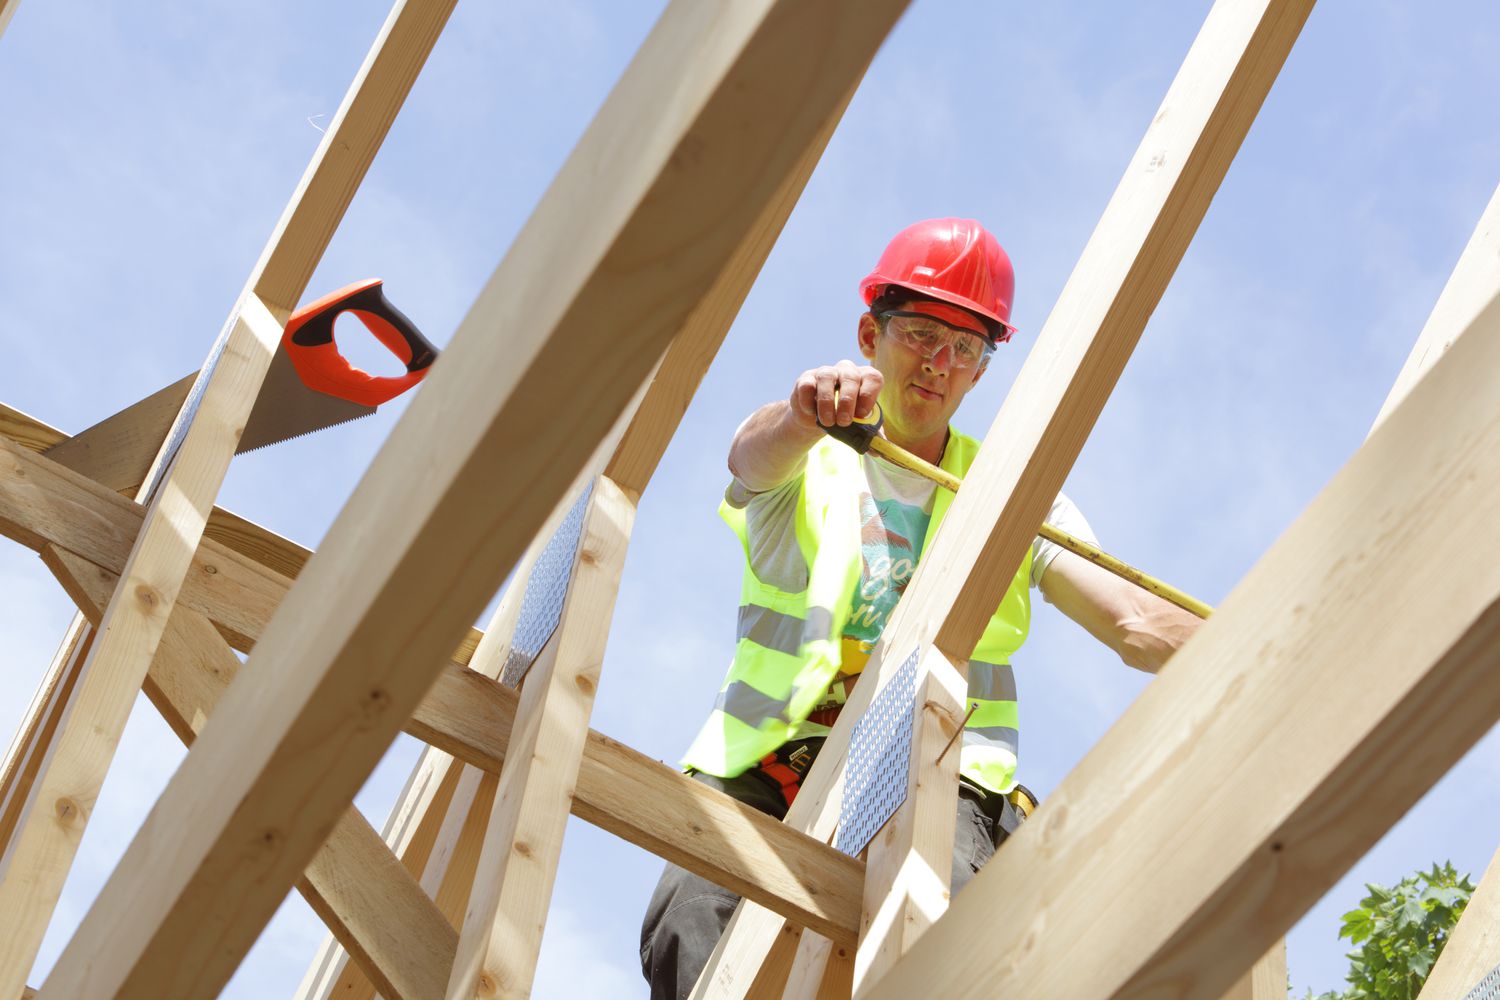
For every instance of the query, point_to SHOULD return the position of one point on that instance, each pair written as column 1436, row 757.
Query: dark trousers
column 688, row 913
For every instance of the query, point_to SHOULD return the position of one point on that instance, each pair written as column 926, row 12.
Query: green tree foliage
column 1399, row 933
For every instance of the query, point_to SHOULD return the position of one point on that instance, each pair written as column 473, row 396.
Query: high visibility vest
column 789, row 644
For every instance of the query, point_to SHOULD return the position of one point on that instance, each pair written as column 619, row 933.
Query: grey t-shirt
column 895, row 512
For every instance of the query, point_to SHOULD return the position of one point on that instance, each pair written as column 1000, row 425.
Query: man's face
column 921, row 393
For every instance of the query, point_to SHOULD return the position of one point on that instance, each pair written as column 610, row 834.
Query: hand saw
column 308, row 387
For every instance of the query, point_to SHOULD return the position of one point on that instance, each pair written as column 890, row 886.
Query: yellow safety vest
column 789, row 647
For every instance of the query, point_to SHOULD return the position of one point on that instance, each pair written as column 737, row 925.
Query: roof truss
column 353, row 645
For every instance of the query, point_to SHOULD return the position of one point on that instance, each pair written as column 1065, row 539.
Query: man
column 831, row 539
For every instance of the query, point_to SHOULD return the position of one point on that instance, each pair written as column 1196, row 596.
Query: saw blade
column 287, row 408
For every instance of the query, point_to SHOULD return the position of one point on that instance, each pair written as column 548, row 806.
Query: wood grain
column 501, row 932
column 118, row 451
column 56, row 812
column 373, row 906
column 469, row 715
column 1260, row 764
column 1060, row 391
column 701, row 130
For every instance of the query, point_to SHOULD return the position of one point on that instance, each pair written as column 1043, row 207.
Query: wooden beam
column 119, row 450
column 1266, row 979
column 431, row 812
column 7, row 11
column 701, row 131
column 449, row 875
column 410, row 834
column 1473, row 948
column 1057, row 396
column 822, row 970
column 355, row 884
column 909, row 864
column 438, row 823
column 237, row 579
column 27, row 431
column 469, row 715
column 1260, row 764
column 33, row 739
column 502, row 928
column 278, row 279
column 1467, row 292
column 55, row 814
column 645, row 440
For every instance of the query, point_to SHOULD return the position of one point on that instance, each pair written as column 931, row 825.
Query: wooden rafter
column 119, row 450
column 502, row 928
column 1260, row 765
column 428, row 817
column 243, row 814
column 34, row 738
column 355, row 884
column 1467, row 293
column 186, row 481
column 468, row 714
column 1055, row 400
column 1473, row 949
column 1265, row 980
column 39, row 856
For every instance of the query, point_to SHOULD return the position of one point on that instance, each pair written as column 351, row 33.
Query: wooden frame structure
column 711, row 136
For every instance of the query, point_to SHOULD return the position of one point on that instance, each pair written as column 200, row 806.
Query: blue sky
column 146, row 153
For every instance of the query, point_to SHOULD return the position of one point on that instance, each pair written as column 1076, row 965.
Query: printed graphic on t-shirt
column 891, row 534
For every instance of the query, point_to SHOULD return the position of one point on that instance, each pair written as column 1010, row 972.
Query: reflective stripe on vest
column 789, row 647
column 780, row 631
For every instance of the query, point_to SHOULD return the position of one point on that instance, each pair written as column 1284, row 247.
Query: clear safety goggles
column 928, row 335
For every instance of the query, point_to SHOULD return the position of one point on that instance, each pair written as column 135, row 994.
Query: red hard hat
column 956, row 261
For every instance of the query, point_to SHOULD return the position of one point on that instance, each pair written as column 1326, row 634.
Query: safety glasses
column 927, row 335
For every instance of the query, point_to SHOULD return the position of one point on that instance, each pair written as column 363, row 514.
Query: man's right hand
column 835, row 395
column 771, row 445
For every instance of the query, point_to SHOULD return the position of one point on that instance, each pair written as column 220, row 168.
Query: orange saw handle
column 308, row 341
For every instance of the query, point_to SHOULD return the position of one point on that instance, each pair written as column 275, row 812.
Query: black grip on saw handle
column 309, row 344
column 859, row 434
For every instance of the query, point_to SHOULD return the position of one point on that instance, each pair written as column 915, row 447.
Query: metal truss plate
column 879, row 761
column 546, row 590
column 1488, row 987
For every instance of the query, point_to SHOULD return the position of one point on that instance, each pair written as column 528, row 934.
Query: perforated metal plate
column 879, row 759
column 1488, row 988
column 546, row 590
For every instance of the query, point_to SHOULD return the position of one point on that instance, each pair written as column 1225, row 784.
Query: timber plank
column 55, row 814
column 702, row 129
column 501, row 931
column 469, row 715
column 1258, row 766
column 1473, row 948
column 1060, row 391
column 1467, row 292
column 34, row 738
column 1265, row 980
column 119, row 450
column 909, row 864
column 355, row 884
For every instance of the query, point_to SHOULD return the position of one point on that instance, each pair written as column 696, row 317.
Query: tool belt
column 786, row 766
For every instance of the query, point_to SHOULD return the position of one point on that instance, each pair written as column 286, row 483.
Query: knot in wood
column 585, row 683
column 210, row 569
column 376, row 702
column 67, row 809
column 147, row 596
